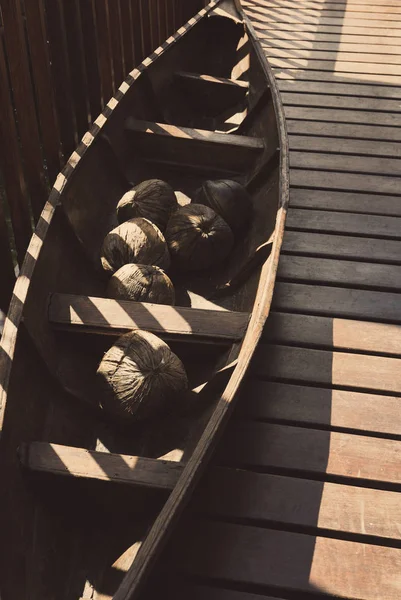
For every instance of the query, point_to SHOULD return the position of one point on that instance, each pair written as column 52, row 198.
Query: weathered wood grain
column 321, row 407
column 311, row 451
column 338, row 222
column 338, row 200
column 287, row 561
column 343, row 116
column 342, row 246
column 68, row 461
column 346, row 146
column 333, row 333
column 344, row 130
column 337, row 302
column 333, row 55
column 306, row 365
column 339, row 272
column 346, row 163
column 354, row 89
column 116, row 316
column 236, row 494
column 345, row 181
column 320, row 75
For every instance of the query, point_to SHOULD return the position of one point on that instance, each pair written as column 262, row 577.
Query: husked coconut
column 198, row 238
column 229, row 199
column 140, row 377
column 135, row 241
column 141, row 283
column 153, row 199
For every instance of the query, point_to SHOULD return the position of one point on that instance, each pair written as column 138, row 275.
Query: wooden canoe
column 204, row 105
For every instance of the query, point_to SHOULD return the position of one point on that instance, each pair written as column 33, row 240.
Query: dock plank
column 356, row 90
column 330, row 46
column 343, row 147
column 334, row 180
column 237, row 494
column 322, row 17
column 344, row 130
column 338, row 222
column 347, row 29
column 287, row 449
column 325, row 408
column 346, row 163
column 367, row 249
column 287, row 561
column 319, row 75
column 337, row 200
column 337, row 302
column 341, row 369
column 333, row 333
column 348, row 273
column 332, row 55
column 311, row 113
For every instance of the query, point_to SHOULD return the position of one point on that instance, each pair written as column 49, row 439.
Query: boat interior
column 89, row 488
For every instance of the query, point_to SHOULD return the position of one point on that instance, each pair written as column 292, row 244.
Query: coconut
column 140, row 377
column 198, row 238
column 136, row 241
column 141, row 283
column 153, row 199
column 229, row 199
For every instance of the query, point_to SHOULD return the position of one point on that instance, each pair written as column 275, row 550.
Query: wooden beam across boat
column 212, row 80
column 69, row 461
column 161, row 142
column 112, row 317
column 215, row 93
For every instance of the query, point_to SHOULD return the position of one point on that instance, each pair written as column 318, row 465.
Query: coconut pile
column 140, row 377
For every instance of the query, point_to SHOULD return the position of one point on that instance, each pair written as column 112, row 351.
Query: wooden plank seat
column 68, row 461
column 112, row 317
column 160, row 142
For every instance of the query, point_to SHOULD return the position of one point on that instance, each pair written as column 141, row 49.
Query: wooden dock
column 303, row 498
